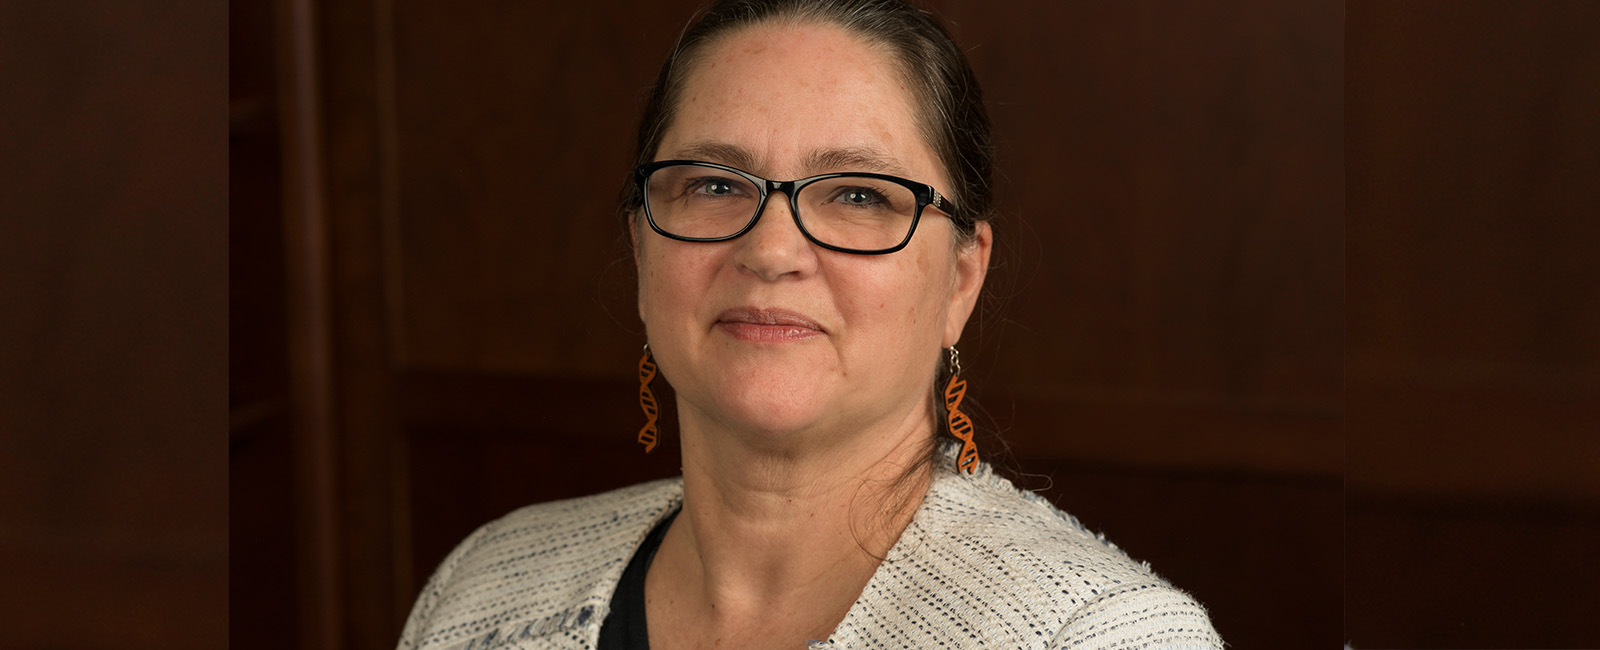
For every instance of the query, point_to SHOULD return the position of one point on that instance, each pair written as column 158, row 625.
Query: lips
column 767, row 325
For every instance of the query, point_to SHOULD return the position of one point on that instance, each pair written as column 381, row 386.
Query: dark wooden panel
column 110, row 590
column 1174, row 435
column 353, row 464
column 1479, row 573
column 263, row 589
column 263, row 595
column 1472, row 190
column 113, row 506
column 1474, row 365
column 1439, row 434
column 1172, row 194
column 512, row 135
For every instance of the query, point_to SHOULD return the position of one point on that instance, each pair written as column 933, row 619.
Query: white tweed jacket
column 981, row 564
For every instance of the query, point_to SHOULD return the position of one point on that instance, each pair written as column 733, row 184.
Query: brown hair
column 952, row 117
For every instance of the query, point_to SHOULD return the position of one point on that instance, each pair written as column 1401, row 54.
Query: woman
column 804, row 325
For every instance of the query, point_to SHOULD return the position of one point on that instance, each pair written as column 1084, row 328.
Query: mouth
column 767, row 325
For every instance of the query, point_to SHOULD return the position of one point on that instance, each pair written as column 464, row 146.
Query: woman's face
column 769, row 334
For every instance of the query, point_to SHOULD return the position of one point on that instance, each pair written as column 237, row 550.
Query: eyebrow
column 718, row 152
column 820, row 161
column 853, row 159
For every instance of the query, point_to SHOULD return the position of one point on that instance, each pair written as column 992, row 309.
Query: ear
column 972, row 265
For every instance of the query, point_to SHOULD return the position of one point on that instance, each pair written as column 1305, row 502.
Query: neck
column 767, row 531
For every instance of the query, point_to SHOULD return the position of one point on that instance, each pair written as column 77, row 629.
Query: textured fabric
column 981, row 565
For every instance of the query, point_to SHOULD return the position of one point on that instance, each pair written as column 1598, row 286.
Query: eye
column 860, row 196
column 713, row 186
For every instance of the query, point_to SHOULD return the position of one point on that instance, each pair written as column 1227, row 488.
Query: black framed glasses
column 861, row 213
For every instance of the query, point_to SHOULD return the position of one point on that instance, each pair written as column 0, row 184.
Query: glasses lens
column 701, row 202
column 858, row 212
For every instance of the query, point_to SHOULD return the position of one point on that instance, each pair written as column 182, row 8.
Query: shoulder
column 999, row 563
column 538, row 569
column 984, row 519
column 561, row 531
column 590, row 518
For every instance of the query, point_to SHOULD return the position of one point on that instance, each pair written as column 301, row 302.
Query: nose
column 775, row 248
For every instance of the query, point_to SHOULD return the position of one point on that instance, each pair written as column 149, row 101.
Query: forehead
column 783, row 93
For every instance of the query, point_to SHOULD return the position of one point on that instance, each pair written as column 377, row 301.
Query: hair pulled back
column 947, row 101
column 950, row 108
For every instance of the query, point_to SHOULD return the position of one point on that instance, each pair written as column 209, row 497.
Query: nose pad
column 777, row 212
column 775, row 245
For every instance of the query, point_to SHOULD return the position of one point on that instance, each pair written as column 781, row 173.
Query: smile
column 767, row 325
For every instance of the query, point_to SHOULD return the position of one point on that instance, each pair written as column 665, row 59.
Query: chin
column 772, row 415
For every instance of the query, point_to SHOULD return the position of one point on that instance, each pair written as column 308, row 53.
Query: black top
column 624, row 628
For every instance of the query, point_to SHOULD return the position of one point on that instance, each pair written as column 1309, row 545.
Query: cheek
column 655, row 294
column 654, row 289
column 673, row 278
column 933, row 277
column 649, row 285
column 905, row 300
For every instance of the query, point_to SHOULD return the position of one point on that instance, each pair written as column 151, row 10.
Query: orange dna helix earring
column 647, row 401
column 960, row 424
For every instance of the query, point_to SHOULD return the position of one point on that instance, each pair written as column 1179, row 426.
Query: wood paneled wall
column 1162, row 344
column 113, row 325
column 1474, row 332
column 418, row 343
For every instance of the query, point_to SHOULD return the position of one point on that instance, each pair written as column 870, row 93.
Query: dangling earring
column 960, row 424
column 647, row 400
